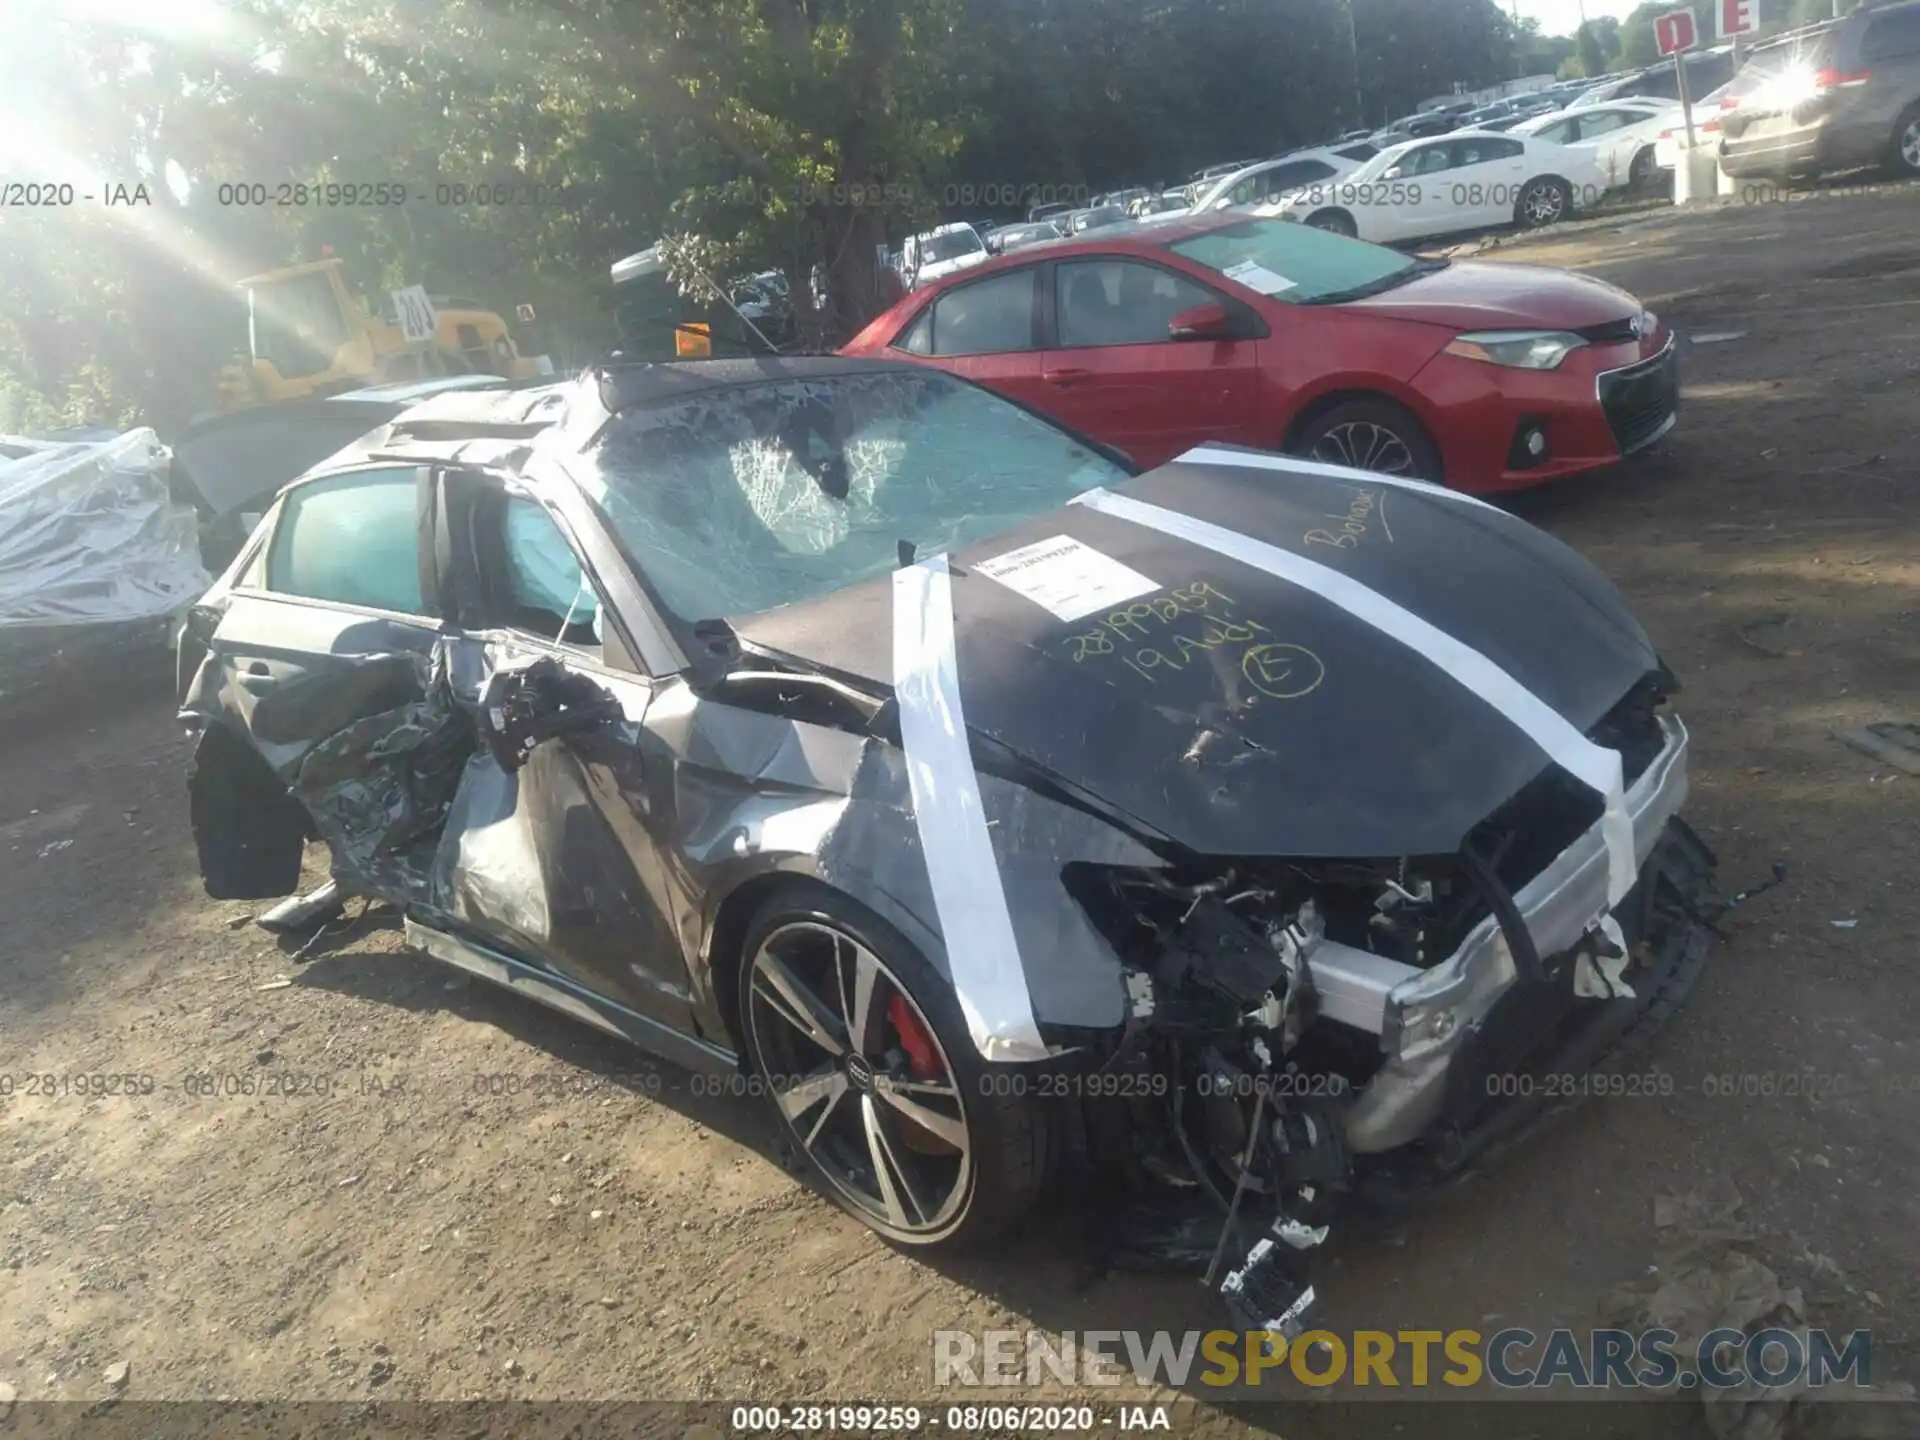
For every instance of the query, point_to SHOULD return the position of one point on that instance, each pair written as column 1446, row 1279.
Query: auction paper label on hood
column 1070, row 579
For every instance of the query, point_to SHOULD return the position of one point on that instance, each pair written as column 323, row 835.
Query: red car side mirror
column 1203, row 322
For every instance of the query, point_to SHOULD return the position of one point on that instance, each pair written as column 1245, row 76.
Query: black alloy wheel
column 876, row 1082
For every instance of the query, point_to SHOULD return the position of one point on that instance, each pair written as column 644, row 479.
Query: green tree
column 1606, row 29
column 1590, row 52
column 791, row 134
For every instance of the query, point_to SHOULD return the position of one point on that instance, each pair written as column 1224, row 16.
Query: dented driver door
column 547, row 853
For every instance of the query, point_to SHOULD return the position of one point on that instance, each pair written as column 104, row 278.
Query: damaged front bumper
column 1554, row 982
column 1426, row 1019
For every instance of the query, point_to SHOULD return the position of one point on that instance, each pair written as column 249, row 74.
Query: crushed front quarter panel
column 835, row 805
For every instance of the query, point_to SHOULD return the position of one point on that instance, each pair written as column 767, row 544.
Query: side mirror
column 1203, row 322
column 1398, row 172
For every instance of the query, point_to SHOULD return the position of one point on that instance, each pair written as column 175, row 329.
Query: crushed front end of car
column 1311, row 1033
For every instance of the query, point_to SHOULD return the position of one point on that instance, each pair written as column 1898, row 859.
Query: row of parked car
column 1838, row 95
column 1540, row 173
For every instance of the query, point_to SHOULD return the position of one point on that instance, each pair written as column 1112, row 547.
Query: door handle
column 1066, row 377
column 257, row 679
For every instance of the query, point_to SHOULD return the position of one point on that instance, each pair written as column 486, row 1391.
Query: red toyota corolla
column 1277, row 335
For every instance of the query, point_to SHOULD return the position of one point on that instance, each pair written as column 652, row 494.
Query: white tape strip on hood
column 1595, row 765
column 1288, row 464
column 983, row 956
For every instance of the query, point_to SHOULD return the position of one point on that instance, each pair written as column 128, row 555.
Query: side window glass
column 1479, row 152
column 1117, row 302
column 919, row 337
column 1895, row 33
column 354, row 539
column 987, row 317
column 549, row 595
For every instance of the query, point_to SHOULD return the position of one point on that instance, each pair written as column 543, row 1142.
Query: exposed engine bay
column 1258, row 993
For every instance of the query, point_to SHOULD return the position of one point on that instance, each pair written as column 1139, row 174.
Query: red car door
column 1113, row 371
column 986, row 331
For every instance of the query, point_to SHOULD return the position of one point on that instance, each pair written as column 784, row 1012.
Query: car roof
column 496, row 427
column 642, row 384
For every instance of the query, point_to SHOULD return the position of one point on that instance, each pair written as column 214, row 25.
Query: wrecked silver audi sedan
column 1249, row 831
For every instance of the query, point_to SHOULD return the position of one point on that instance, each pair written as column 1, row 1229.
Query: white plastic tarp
column 90, row 535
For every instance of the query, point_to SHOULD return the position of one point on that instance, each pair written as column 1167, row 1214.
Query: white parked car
column 1468, row 180
column 1178, row 200
column 941, row 252
column 1620, row 133
column 1266, row 181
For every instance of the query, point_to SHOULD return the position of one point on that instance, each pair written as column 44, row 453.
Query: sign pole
column 1674, row 34
column 1686, row 99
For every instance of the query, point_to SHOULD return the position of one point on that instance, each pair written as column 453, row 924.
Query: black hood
column 1236, row 713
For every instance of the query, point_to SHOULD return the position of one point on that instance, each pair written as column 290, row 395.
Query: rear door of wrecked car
column 313, row 675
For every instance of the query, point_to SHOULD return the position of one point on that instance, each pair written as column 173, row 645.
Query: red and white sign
column 1736, row 17
column 1674, row 31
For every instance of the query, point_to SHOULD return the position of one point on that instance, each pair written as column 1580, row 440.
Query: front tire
column 1373, row 435
column 874, row 1078
column 1546, row 201
column 1338, row 222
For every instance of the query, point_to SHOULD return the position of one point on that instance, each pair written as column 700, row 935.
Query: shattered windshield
column 749, row 498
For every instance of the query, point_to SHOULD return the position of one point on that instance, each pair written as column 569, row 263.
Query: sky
column 1562, row 17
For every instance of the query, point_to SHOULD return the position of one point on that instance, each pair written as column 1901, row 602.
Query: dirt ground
column 454, row 1195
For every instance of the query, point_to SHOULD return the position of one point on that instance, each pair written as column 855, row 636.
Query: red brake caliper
column 914, row 1039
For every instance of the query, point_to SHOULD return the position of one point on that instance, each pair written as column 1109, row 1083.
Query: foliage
column 1590, row 51
column 789, row 134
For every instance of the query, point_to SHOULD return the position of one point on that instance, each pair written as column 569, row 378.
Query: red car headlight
column 1517, row 349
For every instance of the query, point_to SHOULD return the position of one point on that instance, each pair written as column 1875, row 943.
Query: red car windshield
column 1299, row 264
